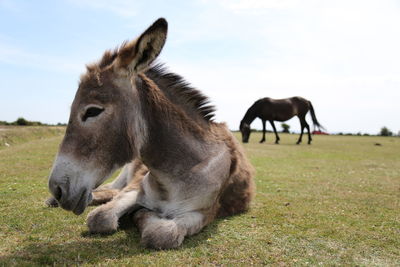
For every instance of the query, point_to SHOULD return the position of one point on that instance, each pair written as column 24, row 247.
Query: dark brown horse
column 268, row 109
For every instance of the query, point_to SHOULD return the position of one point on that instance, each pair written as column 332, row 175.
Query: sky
column 343, row 55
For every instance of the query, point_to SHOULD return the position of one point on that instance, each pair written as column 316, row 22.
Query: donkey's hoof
column 163, row 236
column 51, row 202
column 102, row 222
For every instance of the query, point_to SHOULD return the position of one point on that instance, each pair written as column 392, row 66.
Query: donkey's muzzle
column 75, row 201
column 58, row 190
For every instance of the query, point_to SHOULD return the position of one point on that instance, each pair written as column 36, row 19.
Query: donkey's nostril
column 57, row 193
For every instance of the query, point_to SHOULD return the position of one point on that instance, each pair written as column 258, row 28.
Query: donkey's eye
column 92, row 112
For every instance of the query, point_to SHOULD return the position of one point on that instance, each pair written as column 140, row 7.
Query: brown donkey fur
column 127, row 109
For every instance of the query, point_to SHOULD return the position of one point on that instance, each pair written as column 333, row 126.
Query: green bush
column 285, row 128
column 22, row 122
column 385, row 132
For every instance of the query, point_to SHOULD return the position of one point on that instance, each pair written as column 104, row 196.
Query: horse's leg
column 302, row 125
column 163, row 233
column 308, row 131
column 276, row 133
column 104, row 219
column 264, row 130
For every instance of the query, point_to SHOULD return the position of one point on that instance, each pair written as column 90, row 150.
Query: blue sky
column 344, row 56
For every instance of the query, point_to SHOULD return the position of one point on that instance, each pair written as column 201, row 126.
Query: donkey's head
column 245, row 130
column 105, row 128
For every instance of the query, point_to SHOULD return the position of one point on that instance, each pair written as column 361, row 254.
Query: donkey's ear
column 137, row 55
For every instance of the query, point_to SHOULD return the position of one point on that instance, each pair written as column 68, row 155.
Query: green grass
column 14, row 135
column 336, row 202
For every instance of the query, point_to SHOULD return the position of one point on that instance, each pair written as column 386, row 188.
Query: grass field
column 14, row 135
column 336, row 202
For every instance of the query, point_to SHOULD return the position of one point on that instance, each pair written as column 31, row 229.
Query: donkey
column 128, row 108
column 268, row 109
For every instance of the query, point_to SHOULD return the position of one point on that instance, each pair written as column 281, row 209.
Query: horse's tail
column 314, row 118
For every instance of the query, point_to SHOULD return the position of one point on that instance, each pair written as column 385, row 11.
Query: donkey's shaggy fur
column 127, row 109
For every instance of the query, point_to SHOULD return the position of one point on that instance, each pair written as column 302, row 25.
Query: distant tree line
column 383, row 132
column 285, row 127
column 23, row 122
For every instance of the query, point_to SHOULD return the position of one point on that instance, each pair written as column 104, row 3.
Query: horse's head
column 245, row 130
column 105, row 128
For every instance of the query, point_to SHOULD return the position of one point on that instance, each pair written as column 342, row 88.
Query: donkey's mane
column 175, row 88
column 180, row 92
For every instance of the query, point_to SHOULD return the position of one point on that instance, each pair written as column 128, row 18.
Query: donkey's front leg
column 162, row 233
column 104, row 219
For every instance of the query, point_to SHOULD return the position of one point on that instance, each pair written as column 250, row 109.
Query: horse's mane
column 175, row 88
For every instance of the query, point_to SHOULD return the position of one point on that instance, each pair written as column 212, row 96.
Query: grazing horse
column 268, row 109
column 127, row 108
